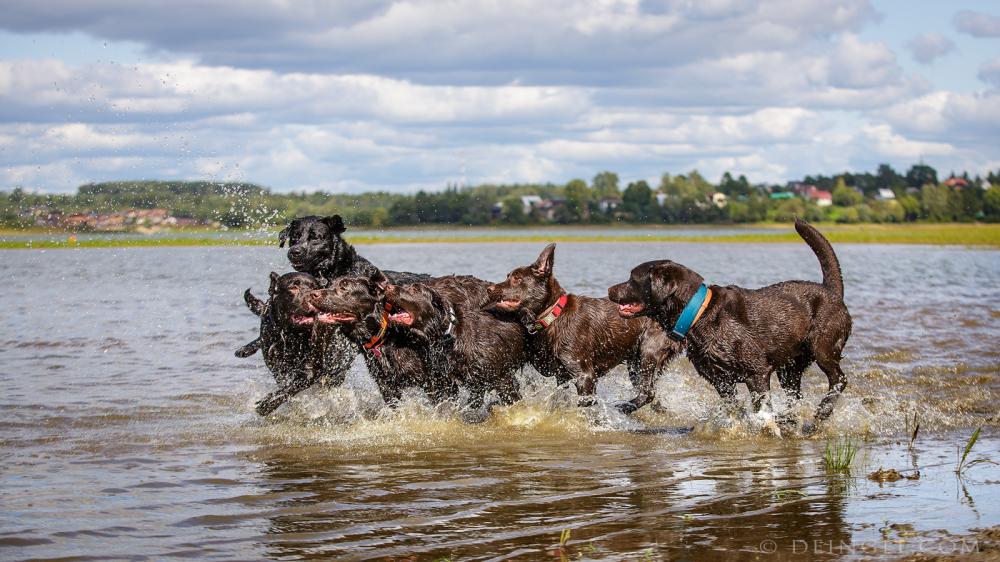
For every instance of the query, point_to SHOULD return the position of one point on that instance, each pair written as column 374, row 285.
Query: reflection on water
column 127, row 428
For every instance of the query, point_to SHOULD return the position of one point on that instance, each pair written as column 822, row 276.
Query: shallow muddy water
column 127, row 429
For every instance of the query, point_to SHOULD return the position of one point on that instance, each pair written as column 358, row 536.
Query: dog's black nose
column 296, row 251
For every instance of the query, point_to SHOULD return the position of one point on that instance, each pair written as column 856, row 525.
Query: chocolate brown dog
column 581, row 338
column 355, row 307
column 445, row 321
column 744, row 335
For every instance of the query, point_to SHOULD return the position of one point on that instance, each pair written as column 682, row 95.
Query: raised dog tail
column 832, row 278
column 256, row 305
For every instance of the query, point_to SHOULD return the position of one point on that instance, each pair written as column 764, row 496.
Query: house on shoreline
column 119, row 221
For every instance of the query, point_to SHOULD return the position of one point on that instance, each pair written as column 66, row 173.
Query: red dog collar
column 373, row 346
column 549, row 315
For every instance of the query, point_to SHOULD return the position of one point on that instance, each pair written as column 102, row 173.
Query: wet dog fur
column 316, row 246
column 444, row 320
column 355, row 307
column 745, row 335
column 589, row 339
column 287, row 337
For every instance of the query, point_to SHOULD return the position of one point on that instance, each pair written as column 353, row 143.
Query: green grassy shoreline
column 983, row 235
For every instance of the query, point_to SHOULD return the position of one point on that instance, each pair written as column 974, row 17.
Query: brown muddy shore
column 982, row 545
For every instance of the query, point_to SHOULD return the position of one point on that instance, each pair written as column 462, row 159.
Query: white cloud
column 977, row 24
column 413, row 94
column 186, row 90
column 989, row 72
column 929, row 46
column 460, row 41
column 950, row 116
column 754, row 166
column 857, row 64
column 892, row 144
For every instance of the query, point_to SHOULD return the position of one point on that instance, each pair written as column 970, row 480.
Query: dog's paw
column 786, row 422
column 810, row 429
column 248, row 349
column 626, row 407
column 586, row 401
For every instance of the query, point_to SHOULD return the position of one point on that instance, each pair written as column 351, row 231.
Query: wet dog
column 292, row 351
column 445, row 322
column 581, row 338
column 744, row 335
column 316, row 247
column 355, row 307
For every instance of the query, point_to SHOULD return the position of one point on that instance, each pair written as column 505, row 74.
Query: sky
column 406, row 95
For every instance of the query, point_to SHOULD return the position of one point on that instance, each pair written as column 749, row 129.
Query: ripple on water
column 127, row 428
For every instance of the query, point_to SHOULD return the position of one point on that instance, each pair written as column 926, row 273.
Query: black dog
column 444, row 321
column 316, row 247
column 744, row 335
column 291, row 349
column 582, row 338
column 355, row 307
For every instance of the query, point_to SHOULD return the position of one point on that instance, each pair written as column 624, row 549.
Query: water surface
column 127, row 429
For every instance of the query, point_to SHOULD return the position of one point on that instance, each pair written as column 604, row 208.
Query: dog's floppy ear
column 669, row 279
column 663, row 282
column 283, row 235
column 335, row 223
column 286, row 232
column 543, row 265
column 274, row 284
column 379, row 282
column 437, row 301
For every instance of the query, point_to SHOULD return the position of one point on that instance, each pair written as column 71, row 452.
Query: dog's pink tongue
column 401, row 318
column 334, row 318
column 629, row 308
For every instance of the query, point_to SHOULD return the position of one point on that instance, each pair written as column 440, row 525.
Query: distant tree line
column 883, row 196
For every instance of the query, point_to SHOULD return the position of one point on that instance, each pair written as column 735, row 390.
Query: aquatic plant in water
column 839, row 454
column 963, row 462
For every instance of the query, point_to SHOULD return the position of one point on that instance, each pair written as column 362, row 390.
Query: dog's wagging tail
column 828, row 262
column 746, row 335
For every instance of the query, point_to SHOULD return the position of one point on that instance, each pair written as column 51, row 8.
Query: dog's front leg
column 838, row 382
column 585, row 380
column 725, row 385
column 301, row 378
column 248, row 349
column 759, row 385
column 275, row 399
